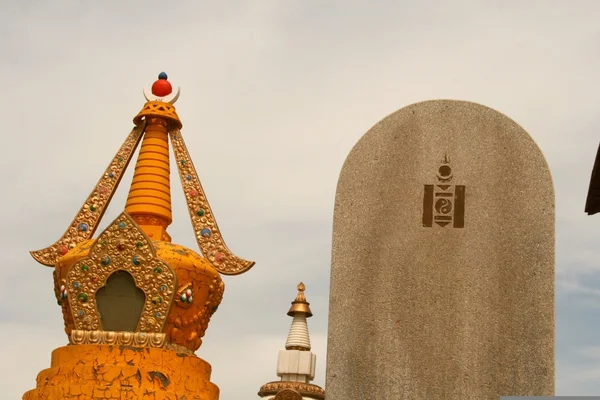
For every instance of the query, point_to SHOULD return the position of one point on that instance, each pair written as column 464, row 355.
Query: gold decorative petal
column 138, row 339
column 77, row 337
column 141, row 339
column 123, row 246
column 96, row 204
column 205, row 226
column 126, row 338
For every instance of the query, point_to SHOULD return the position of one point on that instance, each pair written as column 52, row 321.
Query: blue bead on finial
column 162, row 75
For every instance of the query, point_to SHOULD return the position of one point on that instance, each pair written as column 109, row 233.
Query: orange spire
column 149, row 200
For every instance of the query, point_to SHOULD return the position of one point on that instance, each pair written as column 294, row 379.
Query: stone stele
column 442, row 282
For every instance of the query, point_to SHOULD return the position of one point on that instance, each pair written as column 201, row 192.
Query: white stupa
column 296, row 364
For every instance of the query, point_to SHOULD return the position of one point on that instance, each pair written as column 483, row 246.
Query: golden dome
column 180, row 290
column 300, row 306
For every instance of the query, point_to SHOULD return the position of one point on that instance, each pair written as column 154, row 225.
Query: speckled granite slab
column 442, row 282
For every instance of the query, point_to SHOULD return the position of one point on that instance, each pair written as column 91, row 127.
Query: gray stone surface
column 424, row 311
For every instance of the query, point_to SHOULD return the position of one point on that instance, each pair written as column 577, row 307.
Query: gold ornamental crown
column 131, row 285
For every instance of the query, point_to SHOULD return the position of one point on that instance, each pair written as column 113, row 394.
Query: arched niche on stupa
column 120, row 303
column 122, row 285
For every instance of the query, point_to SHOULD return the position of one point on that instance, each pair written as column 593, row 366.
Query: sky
column 274, row 94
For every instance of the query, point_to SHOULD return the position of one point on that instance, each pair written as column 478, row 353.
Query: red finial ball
column 162, row 87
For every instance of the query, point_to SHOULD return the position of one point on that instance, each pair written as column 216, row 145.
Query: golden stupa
column 135, row 305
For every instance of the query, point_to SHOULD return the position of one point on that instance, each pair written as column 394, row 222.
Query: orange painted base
column 85, row 372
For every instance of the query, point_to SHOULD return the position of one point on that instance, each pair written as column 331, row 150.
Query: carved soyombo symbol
column 123, row 246
column 444, row 203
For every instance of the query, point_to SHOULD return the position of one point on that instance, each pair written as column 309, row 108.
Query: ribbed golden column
column 149, row 200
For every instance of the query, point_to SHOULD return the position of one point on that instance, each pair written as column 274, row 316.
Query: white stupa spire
column 296, row 364
column 298, row 338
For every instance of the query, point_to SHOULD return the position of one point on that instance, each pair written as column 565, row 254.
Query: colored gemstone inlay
column 63, row 250
column 120, row 247
column 205, row 232
column 105, row 260
column 82, row 297
column 85, row 268
column 187, row 297
column 63, row 294
column 162, row 87
column 83, row 227
column 122, row 225
column 135, row 260
column 200, row 213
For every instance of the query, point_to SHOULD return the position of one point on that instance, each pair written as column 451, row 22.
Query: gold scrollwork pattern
column 86, row 221
column 122, row 246
column 149, row 220
column 304, row 389
column 205, row 226
column 288, row 394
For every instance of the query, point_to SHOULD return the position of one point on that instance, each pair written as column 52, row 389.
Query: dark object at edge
column 592, row 205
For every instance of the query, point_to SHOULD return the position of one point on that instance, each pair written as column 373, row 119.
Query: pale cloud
column 274, row 96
